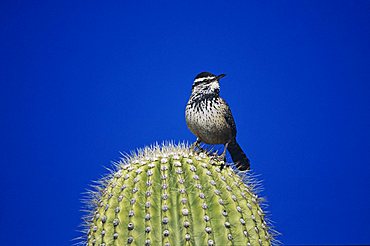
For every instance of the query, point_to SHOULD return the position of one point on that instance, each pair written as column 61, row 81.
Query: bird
column 209, row 118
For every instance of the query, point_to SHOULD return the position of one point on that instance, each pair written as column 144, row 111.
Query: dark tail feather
column 239, row 158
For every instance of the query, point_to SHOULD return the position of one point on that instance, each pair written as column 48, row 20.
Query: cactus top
column 174, row 196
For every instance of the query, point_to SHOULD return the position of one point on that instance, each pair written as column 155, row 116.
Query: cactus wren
column 209, row 118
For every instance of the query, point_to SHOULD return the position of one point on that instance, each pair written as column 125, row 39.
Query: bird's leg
column 196, row 144
column 223, row 155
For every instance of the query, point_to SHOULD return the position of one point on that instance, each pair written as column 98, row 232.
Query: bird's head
column 207, row 83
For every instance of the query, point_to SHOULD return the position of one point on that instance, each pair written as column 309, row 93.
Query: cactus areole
column 171, row 195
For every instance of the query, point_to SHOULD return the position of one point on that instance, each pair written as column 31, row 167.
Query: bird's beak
column 220, row 76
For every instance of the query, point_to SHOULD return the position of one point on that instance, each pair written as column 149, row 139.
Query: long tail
column 239, row 158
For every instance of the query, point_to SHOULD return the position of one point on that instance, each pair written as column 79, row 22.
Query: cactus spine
column 173, row 196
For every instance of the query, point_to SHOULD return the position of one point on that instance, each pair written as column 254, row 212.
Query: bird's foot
column 218, row 160
column 223, row 166
column 196, row 147
column 218, row 157
column 200, row 149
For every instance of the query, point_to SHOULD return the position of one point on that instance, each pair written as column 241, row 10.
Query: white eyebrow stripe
column 202, row 79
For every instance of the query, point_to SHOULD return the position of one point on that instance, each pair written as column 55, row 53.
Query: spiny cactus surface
column 174, row 196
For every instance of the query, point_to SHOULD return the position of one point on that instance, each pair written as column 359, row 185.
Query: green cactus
column 175, row 196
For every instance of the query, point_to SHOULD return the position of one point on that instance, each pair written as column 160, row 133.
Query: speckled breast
column 206, row 120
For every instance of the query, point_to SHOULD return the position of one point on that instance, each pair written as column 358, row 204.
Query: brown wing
column 229, row 118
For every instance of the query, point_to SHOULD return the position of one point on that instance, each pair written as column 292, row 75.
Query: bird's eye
column 201, row 81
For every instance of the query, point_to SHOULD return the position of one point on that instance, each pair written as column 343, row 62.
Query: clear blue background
column 83, row 80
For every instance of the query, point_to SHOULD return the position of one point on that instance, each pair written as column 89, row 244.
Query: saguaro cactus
column 172, row 195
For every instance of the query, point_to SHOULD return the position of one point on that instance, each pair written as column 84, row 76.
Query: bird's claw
column 218, row 160
column 196, row 145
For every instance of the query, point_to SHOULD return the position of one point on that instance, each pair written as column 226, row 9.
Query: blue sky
column 82, row 81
